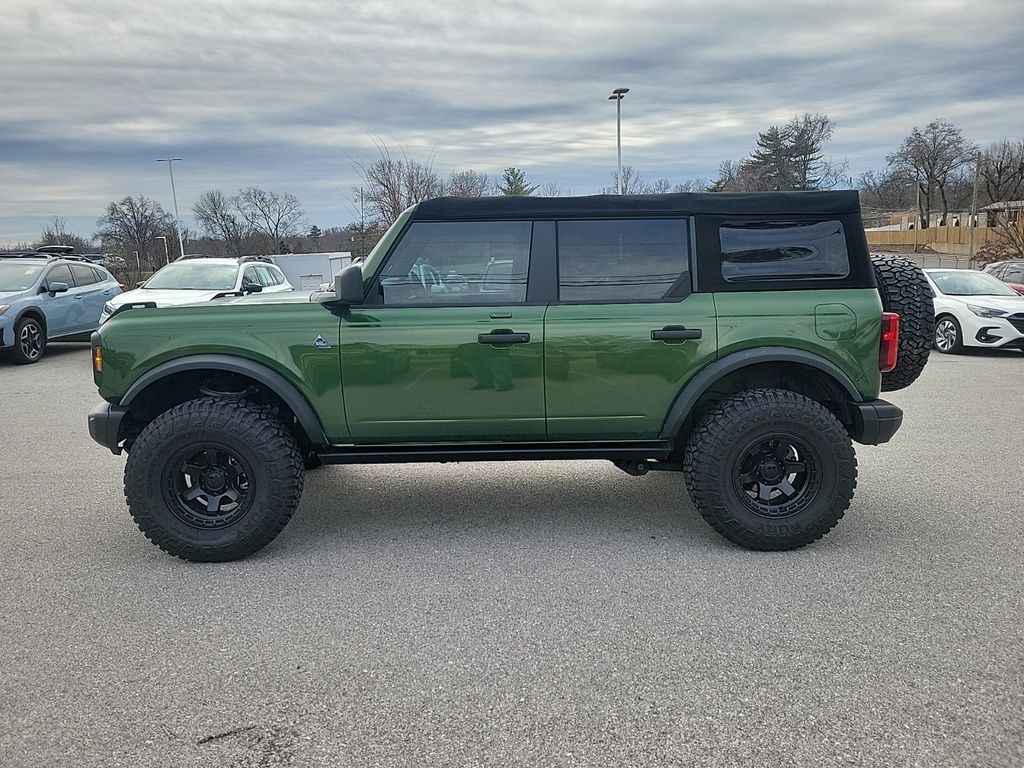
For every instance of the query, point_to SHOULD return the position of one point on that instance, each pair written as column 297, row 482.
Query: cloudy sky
column 287, row 95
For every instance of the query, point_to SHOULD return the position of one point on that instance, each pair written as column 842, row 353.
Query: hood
column 163, row 298
column 6, row 297
column 1009, row 304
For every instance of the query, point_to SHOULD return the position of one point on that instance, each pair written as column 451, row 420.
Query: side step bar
column 619, row 452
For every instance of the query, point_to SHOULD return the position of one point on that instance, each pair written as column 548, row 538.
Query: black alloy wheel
column 208, row 486
column 777, row 476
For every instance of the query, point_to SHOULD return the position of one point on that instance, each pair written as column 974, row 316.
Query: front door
column 446, row 348
column 61, row 310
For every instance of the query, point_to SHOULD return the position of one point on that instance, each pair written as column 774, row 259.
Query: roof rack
column 265, row 259
column 44, row 255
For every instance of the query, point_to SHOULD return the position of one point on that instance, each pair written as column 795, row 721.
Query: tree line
column 932, row 169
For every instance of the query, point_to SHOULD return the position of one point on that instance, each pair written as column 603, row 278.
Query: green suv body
column 740, row 338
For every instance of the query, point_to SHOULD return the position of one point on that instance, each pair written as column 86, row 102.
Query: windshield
column 194, row 276
column 18, row 277
column 967, row 282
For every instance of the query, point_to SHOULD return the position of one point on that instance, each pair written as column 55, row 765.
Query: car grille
column 1017, row 321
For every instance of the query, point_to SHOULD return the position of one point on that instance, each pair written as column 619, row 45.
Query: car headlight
column 4, row 308
column 985, row 311
column 108, row 308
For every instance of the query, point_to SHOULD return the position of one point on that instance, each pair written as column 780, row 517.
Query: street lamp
column 617, row 96
column 167, row 256
column 177, row 220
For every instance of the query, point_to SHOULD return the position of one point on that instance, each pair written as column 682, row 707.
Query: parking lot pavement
column 520, row 614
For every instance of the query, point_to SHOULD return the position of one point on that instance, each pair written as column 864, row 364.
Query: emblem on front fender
column 321, row 343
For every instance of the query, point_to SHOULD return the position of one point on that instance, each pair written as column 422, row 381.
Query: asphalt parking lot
column 520, row 614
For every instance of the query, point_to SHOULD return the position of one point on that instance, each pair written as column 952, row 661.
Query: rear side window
column 84, row 275
column 783, row 250
column 622, row 259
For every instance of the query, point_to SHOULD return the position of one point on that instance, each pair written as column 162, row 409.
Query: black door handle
column 504, row 338
column 675, row 333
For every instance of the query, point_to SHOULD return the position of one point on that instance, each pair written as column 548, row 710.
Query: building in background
column 307, row 271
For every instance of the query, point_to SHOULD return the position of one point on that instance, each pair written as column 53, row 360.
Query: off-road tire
column 712, row 465
column 904, row 290
column 21, row 357
column 255, row 437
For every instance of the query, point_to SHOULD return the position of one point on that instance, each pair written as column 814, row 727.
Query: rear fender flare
column 706, row 378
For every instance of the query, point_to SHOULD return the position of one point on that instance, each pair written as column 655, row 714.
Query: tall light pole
column 174, row 196
column 167, row 255
column 617, row 96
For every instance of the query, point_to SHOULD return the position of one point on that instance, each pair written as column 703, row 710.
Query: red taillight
column 123, row 287
column 890, row 341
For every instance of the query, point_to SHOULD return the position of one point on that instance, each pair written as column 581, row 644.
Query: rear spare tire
column 904, row 290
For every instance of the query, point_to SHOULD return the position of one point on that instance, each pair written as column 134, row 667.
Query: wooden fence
column 940, row 239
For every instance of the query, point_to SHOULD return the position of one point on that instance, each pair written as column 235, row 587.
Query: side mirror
column 140, row 284
column 54, row 288
column 252, row 287
column 348, row 285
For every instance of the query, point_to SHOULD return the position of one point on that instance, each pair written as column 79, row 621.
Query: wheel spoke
column 795, row 467
column 213, row 502
column 786, row 487
column 192, row 493
column 764, row 491
column 747, row 478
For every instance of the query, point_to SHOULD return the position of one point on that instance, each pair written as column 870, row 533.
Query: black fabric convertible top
column 607, row 206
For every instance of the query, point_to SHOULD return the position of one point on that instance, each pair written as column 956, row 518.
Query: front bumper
column 874, row 422
column 106, row 425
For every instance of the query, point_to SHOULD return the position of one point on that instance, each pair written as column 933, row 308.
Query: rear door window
column 84, row 275
column 622, row 260
column 60, row 274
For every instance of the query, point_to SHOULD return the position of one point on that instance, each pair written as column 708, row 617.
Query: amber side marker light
column 97, row 359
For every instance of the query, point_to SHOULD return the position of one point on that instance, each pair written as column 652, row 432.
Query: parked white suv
column 192, row 279
column 975, row 309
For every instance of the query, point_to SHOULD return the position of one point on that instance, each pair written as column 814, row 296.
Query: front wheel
column 770, row 469
column 213, row 480
column 949, row 337
column 29, row 341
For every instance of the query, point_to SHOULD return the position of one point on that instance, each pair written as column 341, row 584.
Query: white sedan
column 974, row 309
column 193, row 279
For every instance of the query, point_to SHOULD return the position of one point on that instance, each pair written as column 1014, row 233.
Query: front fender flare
column 259, row 372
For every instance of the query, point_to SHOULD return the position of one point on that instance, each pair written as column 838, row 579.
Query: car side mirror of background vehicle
column 54, row 288
column 140, row 284
column 252, row 287
column 348, row 286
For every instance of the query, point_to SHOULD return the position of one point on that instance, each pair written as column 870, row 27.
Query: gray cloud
column 286, row 94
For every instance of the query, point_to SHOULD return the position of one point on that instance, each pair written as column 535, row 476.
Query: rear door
column 445, row 349
column 626, row 332
column 92, row 291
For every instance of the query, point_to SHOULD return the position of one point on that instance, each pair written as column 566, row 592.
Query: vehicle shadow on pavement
column 460, row 501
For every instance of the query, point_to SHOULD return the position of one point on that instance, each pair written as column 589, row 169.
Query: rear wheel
column 213, row 479
column 949, row 336
column 770, row 469
column 904, row 290
column 29, row 341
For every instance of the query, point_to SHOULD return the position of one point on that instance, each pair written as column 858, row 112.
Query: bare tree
column 218, row 216
column 632, row 183
column 132, row 224
column 1002, row 172
column 661, row 186
column 551, row 189
column 693, row 185
column 393, row 184
column 55, row 232
column 936, row 157
column 272, row 215
column 468, row 183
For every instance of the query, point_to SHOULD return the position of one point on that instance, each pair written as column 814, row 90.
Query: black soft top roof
column 606, row 206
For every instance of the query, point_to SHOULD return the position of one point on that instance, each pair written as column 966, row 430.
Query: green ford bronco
column 742, row 339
